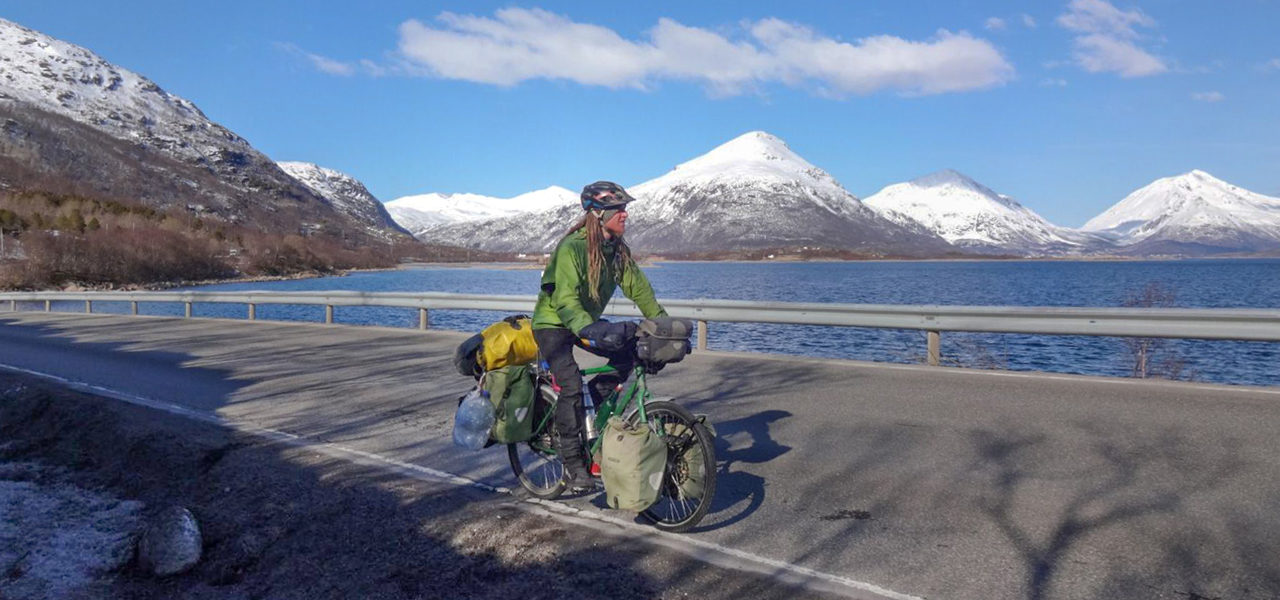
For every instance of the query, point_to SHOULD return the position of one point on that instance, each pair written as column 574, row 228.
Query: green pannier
column 511, row 391
column 633, row 460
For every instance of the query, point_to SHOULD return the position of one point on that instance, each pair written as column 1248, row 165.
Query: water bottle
column 589, row 408
column 474, row 419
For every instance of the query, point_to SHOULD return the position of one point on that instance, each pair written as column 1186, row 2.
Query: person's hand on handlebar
column 610, row 337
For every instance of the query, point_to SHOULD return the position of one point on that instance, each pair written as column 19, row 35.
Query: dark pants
column 556, row 347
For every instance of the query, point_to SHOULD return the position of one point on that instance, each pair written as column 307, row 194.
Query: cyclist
column 589, row 263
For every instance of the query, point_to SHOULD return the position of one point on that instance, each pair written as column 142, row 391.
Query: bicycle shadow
column 745, row 440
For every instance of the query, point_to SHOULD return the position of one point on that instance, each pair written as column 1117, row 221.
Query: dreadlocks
column 590, row 223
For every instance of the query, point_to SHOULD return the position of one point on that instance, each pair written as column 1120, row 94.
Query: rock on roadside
column 171, row 542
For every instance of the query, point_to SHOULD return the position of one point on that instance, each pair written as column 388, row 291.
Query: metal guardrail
column 1209, row 324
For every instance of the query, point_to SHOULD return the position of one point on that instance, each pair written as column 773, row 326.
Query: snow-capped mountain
column 343, row 192
column 420, row 212
column 1192, row 213
column 76, row 123
column 971, row 215
column 751, row 192
column 74, row 82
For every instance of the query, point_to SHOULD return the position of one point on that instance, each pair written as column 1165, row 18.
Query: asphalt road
column 930, row 482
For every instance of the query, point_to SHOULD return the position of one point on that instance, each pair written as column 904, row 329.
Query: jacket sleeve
column 636, row 287
column 567, row 297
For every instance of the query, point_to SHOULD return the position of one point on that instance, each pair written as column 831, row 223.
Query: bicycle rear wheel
column 689, row 482
column 535, row 463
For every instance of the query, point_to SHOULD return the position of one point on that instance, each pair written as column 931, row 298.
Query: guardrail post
column 328, row 314
column 935, row 348
column 253, row 311
column 702, row 335
column 422, row 319
column 188, row 310
column 133, row 307
column 48, row 305
column 13, row 306
column 88, row 306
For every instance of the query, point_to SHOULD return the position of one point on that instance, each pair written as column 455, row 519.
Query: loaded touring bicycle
column 655, row 456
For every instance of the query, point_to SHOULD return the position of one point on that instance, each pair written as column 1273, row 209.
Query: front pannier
column 663, row 340
column 633, row 460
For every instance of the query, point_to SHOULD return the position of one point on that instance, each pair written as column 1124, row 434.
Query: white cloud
column 374, row 68
column 1271, row 65
column 1100, row 16
column 517, row 45
column 327, row 65
column 1053, row 82
column 1208, row 97
column 1107, row 39
column 331, row 66
column 1028, row 21
column 995, row 24
column 1100, row 53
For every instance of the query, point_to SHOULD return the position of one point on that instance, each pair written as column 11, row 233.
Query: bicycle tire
column 539, row 472
column 674, row 511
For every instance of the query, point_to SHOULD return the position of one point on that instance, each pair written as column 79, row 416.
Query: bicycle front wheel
column 689, row 482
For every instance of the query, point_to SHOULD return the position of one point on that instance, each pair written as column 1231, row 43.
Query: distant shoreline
column 646, row 263
column 657, row 262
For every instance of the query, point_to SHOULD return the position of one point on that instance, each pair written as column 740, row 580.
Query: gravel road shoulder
column 283, row 522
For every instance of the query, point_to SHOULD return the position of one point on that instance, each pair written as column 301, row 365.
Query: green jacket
column 564, row 300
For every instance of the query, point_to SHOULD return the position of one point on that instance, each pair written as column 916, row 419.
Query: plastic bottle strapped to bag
column 633, row 460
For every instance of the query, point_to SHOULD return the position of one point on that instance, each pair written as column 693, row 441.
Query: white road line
column 705, row 551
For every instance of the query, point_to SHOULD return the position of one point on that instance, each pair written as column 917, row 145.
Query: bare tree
column 1145, row 350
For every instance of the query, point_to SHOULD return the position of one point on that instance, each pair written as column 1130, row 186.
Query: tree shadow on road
column 1105, row 510
column 1127, row 479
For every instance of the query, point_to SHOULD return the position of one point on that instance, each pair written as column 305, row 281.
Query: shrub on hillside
column 99, row 257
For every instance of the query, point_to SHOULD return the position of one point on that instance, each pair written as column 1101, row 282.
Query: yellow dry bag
column 508, row 342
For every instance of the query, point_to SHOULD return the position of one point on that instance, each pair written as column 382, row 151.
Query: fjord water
column 1244, row 283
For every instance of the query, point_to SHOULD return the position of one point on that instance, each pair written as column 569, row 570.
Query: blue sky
column 1066, row 105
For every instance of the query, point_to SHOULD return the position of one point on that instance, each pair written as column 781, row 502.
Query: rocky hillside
column 72, row 122
column 344, row 193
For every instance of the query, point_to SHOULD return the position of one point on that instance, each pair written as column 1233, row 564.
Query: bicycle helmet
column 604, row 195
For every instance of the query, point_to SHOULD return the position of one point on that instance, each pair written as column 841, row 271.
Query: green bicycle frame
column 616, row 404
column 613, row 404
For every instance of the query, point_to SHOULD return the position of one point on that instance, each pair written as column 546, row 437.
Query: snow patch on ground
column 56, row 537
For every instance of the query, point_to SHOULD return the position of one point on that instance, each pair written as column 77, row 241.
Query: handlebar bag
column 663, row 340
column 633, row 460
